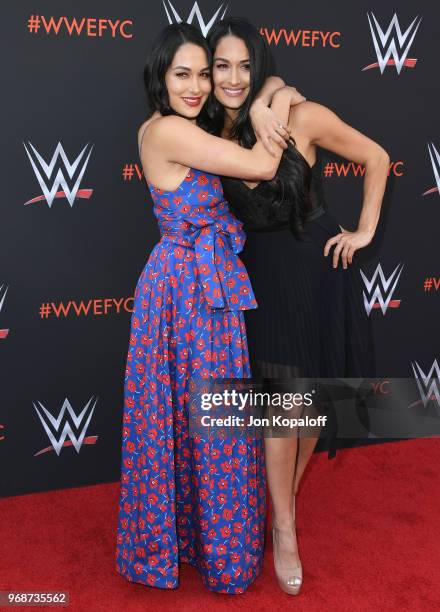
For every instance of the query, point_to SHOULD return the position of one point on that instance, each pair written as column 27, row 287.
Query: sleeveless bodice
column 253, row 205
column 187, row 328
column 197, row 216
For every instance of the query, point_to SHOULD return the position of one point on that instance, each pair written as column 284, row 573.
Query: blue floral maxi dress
column 196, row 499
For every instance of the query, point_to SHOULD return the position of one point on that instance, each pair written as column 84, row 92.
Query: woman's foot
column 287, row 564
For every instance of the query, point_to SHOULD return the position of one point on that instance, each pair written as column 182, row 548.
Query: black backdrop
column 85, row 88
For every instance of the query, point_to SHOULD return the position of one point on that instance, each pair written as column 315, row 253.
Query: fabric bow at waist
column 216, row 242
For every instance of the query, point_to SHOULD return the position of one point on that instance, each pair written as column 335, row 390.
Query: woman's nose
column 195, row 84
column 234, row 76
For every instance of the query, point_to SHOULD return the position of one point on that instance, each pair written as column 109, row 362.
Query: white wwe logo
column 47, row 419
column 393, row 42
column 435, row 161
column 42, row 169
column 385, row 287
column 427, row 383
column 3, row 291
column 195, row 11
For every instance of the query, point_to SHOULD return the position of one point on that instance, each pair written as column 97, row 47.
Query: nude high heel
column 289, row 579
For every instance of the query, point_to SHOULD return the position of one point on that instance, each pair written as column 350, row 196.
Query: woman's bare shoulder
column 305, row 112
column 160, row 127
column 145, row 125
column 309, row 118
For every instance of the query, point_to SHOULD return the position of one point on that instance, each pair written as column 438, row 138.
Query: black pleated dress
column 310, row 320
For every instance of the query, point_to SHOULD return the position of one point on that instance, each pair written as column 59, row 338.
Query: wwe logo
column 195, row 11
column 427, row 383
column 384, row 287
column 59, row 187
column 392, row 43
column 80, row 423
column 3, row 291
column 435, row 161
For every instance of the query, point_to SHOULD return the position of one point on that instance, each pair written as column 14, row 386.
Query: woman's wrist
column 291, row 93
column 257, row 105
column 368, row 231
column 265, row 95
column 284, row 93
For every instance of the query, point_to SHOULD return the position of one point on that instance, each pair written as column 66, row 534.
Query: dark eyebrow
column 188, row 69
column 222, row 59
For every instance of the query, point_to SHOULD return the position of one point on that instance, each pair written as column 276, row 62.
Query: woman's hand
column 347, row 243
column 267, row 126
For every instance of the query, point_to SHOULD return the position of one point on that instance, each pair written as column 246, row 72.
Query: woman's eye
column 246, row 66
column 221, row 66
column 181, row 74
column 205, row 75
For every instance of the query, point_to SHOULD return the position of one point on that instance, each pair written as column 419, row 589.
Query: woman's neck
column 230, row 116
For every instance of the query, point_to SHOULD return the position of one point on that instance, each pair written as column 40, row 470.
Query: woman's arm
column 266, row 124
column 266, row 93
column 177, row 140
column 320, row 126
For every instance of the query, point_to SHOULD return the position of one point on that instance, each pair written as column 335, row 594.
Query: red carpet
column 368, row 528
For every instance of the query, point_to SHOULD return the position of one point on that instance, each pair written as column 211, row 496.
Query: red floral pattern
column 196, row 499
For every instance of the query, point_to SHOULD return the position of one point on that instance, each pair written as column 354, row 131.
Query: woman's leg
column 281, row 464
column 305, row 451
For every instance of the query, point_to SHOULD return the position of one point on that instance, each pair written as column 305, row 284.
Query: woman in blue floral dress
column 191, row 498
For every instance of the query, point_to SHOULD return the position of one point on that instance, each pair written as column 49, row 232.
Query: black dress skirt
column 310, row 321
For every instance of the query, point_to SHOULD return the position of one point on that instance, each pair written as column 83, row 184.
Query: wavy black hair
column 160, row 59
column 290, row 187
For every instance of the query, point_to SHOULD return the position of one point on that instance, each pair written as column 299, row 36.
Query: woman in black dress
column 311, row 321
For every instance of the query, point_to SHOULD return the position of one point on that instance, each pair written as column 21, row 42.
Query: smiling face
column 231, row 72
column 188, row 80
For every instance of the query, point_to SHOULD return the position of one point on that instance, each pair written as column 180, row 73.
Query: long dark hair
column 161, row 57
column 290, row 187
